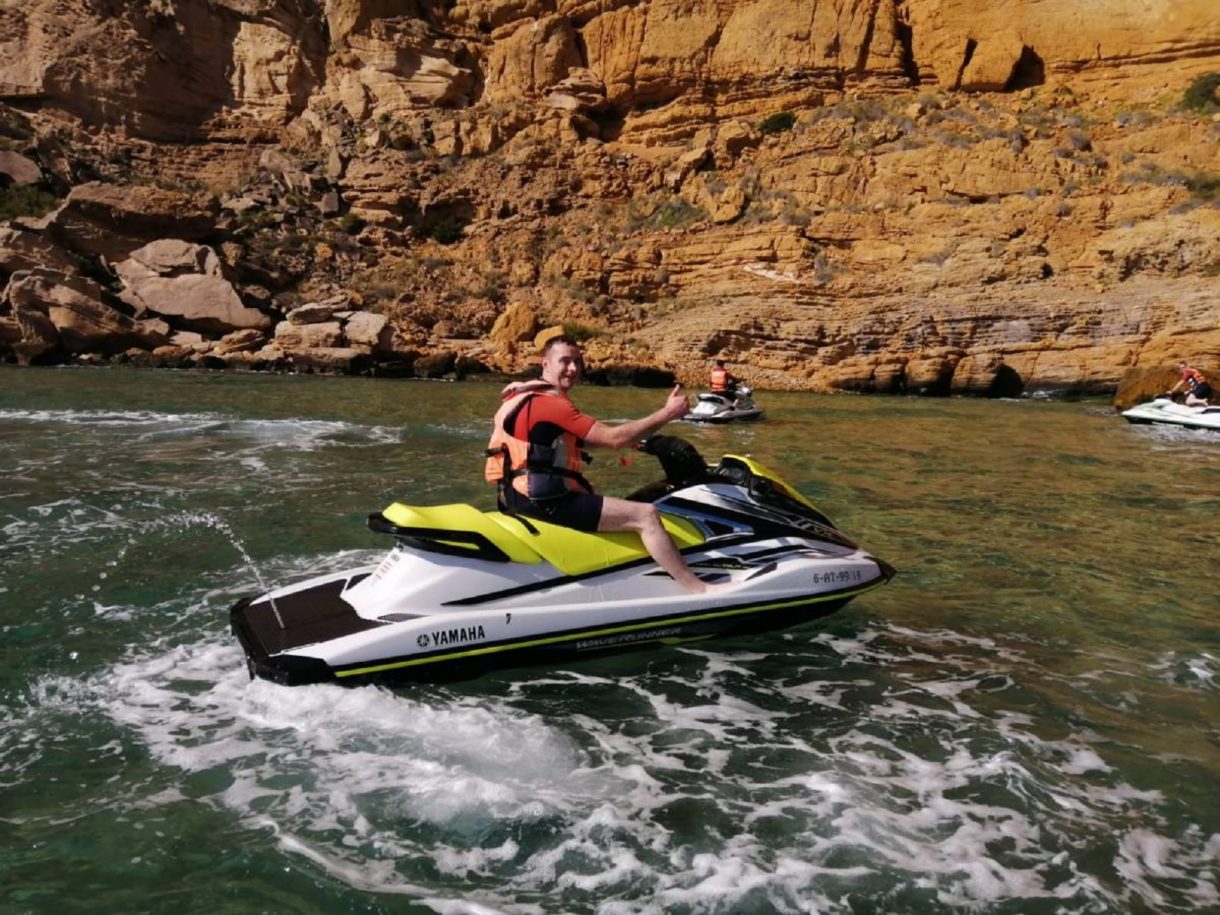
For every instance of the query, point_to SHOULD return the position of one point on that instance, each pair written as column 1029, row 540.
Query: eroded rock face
column 167, row 71
column 112, row 221
column 303, row 337
column 24, row 250
column 183, row 281
column 397, row 64
column 57, row 310
column 245, row 68
column 18, row 169
column 918, row 195
column 993, row 45
column 369, row 332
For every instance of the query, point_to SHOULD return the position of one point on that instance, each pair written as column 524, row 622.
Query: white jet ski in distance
column 464, row 591
column 1164, row 410
column 715, row 407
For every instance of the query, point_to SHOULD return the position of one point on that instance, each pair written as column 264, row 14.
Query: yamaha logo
column 454, row 636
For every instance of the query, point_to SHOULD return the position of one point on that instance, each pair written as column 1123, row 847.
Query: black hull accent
column 720, row 420
column 557, row 647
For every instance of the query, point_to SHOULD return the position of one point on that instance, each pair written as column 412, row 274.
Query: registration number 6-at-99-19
column 838, row 577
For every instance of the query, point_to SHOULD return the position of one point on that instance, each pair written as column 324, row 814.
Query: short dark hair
column 720, row 362
column 560, row 340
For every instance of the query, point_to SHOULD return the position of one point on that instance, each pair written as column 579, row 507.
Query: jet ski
column 715, row 407
column 1165, row 410
column 463, row 591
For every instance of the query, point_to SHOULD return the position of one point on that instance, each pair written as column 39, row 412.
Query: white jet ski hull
column 724, row 408
column 1164, row 410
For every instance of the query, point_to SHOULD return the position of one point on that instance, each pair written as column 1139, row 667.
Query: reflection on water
column 1023, row 721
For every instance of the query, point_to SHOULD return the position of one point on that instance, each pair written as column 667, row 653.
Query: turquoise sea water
column 1027, row 720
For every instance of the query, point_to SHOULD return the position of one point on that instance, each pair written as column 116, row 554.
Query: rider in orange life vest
column 535, row 457
column 1197, row 388
column 722, row 381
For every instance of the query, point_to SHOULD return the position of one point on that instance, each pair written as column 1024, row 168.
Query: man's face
column 562, row 365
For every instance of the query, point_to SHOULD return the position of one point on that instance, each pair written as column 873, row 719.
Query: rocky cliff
column 879, row 195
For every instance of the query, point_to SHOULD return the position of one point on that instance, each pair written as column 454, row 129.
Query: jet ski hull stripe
column 584, row 576
column 575, row 635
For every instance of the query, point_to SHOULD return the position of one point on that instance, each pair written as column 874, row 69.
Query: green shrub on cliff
column 447, row 230
column 662, row 212
column 1204, row 186
column 579, row 332
column 778, row 123
column 1203, row 94
column 24, row 200
column 351, row 224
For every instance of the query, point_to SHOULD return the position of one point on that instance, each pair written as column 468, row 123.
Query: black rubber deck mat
column 313, row 615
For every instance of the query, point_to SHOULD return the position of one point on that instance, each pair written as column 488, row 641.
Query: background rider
column 722, row 381
column 1197, row 388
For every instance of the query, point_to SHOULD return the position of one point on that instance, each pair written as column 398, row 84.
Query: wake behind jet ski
column 1165, row 410
column 718, row 407
column 464, row 591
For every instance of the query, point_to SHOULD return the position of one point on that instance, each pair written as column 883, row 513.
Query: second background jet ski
column 716, row 407
column 464, row 591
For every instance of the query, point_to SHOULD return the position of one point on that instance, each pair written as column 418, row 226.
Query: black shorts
column 579, row 510
column 1202, row 390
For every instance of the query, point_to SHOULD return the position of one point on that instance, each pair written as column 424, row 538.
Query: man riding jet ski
column 1196, row 413
column 463, row 591
column 724, row 408
column 536, row 455
column 728, row 400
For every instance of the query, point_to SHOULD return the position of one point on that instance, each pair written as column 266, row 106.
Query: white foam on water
column 149, row 425
column 1082, row 760
column 134, row 418
column 829, row 694
column 379, row 877
column 350, row 773
column 1167, row 436
column 1195, row 669
column 706, row 797
column 1146, row 859
column 64, row 521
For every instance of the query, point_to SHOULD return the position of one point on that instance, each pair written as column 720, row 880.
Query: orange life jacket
column 720, row 379
column 536, row 471
column 1193, row 377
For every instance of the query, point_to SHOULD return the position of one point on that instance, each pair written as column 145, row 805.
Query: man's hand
column 676, row 406
column 623, row 435
column 520, row 387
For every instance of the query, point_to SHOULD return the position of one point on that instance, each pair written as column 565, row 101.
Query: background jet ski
column 723, row 408
column 464, row 591
column 1164, row 410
